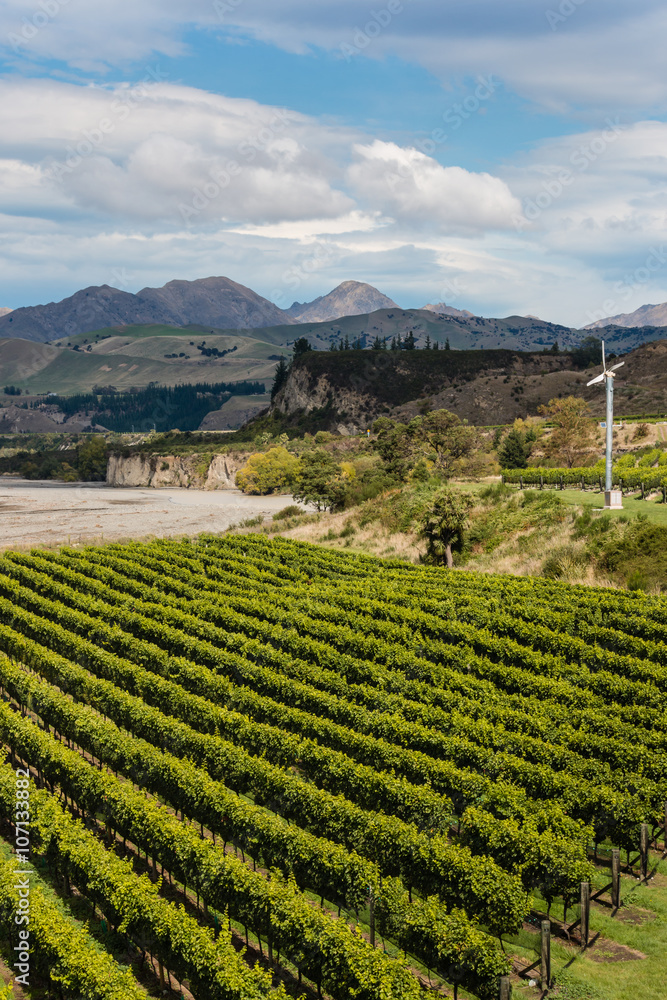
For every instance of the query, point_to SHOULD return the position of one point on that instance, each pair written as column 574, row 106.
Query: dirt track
column 49, row 513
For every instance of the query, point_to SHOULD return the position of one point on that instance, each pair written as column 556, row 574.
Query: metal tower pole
column 610, row 431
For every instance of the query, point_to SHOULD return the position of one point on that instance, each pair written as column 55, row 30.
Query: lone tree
column 280, row 377
column 301, row 346
column 573, row 434
column 320, row 481
column 514, row 451
column 445, row 521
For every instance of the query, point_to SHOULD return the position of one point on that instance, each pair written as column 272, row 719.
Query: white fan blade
column 598, row 378
column 617, row 366
column 604, row 366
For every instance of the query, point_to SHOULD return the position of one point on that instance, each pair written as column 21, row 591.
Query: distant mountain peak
column 442, row 309
column 350, row 298
column 5, row 310
column 216, row 301
column 648, row 315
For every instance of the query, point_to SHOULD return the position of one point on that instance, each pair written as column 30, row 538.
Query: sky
column 506, row 158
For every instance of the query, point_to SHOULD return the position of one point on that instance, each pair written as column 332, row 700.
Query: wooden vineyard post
column 643, row 849
column 616, row 878
column 585, row 912
column 545, row 962
column 504, row 988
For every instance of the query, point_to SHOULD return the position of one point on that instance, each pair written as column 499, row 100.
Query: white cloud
column 607, row 55
column 313, row 204
column 419, row 191
column 163, row 153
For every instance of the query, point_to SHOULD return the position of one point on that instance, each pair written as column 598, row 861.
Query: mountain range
column 222, row 304
column 644, row 316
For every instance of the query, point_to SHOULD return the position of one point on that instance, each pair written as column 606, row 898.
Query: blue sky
column 505, row 158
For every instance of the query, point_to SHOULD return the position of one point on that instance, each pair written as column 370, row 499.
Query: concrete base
column 613, row 500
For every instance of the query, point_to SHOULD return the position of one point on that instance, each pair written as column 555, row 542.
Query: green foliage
column 588, row 354
column 301, row 346
column 445, row 521
column 92, row 460
column 208, row 672
column 273, row 471
column 61, row 949
column 163, row 407
column 639, row 555
column 439, row 436
column 507, row 513
column 514, row 451
column 573, row 434
column 292, row 510
column 320, row 481
column 280, row 377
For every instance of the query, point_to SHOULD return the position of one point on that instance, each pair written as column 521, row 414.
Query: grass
column 580, row 977
column 654, row 509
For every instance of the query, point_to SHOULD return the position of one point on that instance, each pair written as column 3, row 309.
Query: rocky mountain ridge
column 648, row 315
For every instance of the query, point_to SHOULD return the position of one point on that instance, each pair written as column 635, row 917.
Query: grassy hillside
column 133, row 358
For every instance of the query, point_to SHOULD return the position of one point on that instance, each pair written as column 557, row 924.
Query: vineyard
column 266, row 769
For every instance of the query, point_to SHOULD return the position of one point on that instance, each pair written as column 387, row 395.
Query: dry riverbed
column 51, row 513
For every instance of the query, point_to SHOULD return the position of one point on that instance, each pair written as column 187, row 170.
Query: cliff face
column 352, row 388
column 197, row 471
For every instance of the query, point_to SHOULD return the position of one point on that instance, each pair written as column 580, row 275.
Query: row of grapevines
column 572, row 732
column 427, row 862
column 591, row 800
column 60, row 949
column 133, row 904
column 326, row 950
column 467, row 786
column 124, row 809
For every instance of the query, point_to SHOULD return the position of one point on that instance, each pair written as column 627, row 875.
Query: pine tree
column 428, row 343
column 447, row 347
column 280, row 377
column 409, row 343
column 394, row 346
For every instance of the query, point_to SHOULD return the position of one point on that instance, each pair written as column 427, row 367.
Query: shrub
column 639, row 556
column 292, row 510
column 274, row 471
